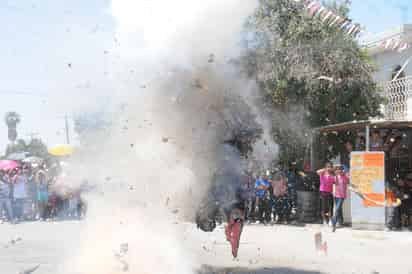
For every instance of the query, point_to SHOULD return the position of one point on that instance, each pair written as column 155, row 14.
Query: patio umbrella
column 17, row 156
column 8, row 164
column 61, row 150
column 33, row 160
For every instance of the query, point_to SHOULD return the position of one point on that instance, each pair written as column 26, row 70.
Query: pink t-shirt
column 341, row 186
column 326, row 182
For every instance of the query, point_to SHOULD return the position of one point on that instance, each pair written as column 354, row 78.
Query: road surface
column 264, row 249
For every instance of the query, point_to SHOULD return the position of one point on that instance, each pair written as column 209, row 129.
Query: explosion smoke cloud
column 194, row 104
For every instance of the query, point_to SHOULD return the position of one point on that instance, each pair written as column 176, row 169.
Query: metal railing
column 398, row 94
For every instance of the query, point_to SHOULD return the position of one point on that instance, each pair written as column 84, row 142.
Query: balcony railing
column 399, row 99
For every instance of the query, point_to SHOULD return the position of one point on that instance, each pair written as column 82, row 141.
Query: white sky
column 40, row 38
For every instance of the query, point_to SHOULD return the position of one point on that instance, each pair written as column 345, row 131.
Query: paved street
column 270, row 249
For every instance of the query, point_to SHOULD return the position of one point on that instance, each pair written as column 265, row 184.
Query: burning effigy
column 183, row 125
column 223, row 196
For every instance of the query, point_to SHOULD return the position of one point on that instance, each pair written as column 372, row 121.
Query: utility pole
column 66, row 120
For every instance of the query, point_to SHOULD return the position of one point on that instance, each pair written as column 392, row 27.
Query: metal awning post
column 367, row 138
column 312, row 152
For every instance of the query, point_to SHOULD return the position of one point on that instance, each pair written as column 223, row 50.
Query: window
column 395, row 72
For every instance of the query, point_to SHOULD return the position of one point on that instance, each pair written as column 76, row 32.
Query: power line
column 20, row 92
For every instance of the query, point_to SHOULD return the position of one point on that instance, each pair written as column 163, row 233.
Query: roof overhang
column 357, row 125
column 372, row 43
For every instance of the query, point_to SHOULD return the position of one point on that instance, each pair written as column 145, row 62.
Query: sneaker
column 333, row 228
column 330, row 223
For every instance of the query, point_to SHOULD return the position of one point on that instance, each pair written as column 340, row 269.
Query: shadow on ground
column 268, row 270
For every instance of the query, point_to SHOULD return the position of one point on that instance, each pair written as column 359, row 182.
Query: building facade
column 398, row 92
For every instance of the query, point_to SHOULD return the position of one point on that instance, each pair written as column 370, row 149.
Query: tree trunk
column 332, row 111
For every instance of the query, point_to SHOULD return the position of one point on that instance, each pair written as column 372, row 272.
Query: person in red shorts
column 234, row 227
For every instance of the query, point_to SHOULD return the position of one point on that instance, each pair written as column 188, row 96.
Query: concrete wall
column 387, row 61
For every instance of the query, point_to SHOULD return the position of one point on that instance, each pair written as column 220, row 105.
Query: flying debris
column 197, row 83
column 330, row 79
column 13, row 242
column 29, row 270
column 124, row 248
column 320, row 245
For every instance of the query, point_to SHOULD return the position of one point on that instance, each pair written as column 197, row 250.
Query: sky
column 381, row 15
column 55, row 47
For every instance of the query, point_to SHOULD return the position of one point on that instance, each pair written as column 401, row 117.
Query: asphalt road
column 263, row 249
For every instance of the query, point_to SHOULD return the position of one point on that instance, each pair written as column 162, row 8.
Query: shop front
column 377, row 156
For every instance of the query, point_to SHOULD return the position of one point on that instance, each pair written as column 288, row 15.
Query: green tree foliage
column 312, row 73
column 35, row 147
column 16, row 147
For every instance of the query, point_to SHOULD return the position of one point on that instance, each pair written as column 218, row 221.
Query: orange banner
column 379, row 198
column 374, row 160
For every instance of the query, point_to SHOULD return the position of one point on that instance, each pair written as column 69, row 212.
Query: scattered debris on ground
column 29, row 270
column 320, row 245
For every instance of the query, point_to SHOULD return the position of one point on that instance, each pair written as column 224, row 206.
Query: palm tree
column 12, row 119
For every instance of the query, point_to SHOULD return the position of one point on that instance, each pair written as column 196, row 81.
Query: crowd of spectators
column 270, row 197
column 29, row 194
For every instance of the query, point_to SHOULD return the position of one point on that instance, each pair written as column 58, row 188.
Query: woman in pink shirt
column 341, row 187
column 327, row 179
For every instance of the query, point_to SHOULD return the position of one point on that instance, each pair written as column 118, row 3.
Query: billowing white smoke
column 180, row 32
column 180, row 100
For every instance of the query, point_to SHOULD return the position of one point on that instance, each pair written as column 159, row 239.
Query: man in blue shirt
column 262, row 199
